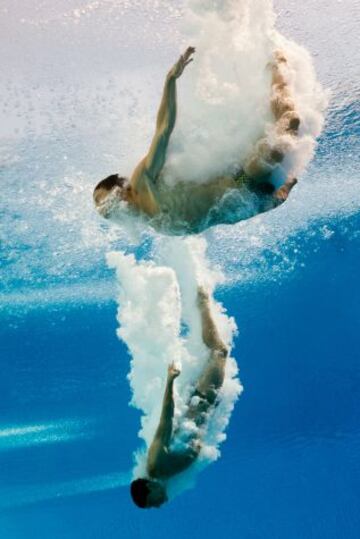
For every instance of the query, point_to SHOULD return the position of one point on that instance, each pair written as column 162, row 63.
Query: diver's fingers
column 189, row 51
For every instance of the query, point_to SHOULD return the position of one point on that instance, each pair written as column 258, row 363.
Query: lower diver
column 162, row 461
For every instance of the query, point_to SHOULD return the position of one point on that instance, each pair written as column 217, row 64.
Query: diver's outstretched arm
column 166, row 117
column 159, row 446
column 161, row 461
column 167, row 112
column 164, row 430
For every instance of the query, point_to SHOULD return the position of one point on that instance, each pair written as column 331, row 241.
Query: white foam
column 224, row 96
column 153, row 300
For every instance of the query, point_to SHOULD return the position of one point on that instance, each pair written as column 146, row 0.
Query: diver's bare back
column 187, row 203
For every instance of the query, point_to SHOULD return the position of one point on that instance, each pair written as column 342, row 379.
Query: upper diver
column 190, row 207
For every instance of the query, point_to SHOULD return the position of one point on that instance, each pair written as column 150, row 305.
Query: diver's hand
column 173, row 372
column 177, row 70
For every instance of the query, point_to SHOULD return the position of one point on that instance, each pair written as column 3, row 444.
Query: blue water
column 74, row 108
column 290, row 467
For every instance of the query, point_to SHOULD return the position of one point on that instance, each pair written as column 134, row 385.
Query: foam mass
column 224, row 97
column 153, row 307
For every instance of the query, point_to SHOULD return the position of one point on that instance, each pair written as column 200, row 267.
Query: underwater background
column 290, row 466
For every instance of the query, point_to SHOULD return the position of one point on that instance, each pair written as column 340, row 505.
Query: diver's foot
column 281, row 195
column 283, row 192
column 290, row 183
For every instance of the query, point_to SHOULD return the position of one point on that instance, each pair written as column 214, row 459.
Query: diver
column 163, row 462
column 190, row 207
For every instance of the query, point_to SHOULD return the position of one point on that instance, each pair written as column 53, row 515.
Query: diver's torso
column 186, row 203
column 189, row 207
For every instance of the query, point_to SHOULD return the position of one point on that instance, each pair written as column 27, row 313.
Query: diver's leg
column 207, row 388
column 212, row 377
column 210, row 333
column 287, row 118
column 268, row 155
column 282, row 102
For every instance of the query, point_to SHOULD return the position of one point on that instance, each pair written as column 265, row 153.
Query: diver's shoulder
column 141, row 177
column 144, row 195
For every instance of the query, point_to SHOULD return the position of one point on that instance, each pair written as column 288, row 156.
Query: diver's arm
column 161, row 462
column 166, row 117
column 155, row 159
column 164, row 430
column 163, row 433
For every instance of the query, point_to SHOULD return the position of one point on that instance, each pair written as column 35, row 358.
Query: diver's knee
column 280, row 105
column 289, row 122
column 276, row 156
column 294, row 123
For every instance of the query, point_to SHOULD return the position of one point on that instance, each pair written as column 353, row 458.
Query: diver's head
column 108, row 191
column 148, row 493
